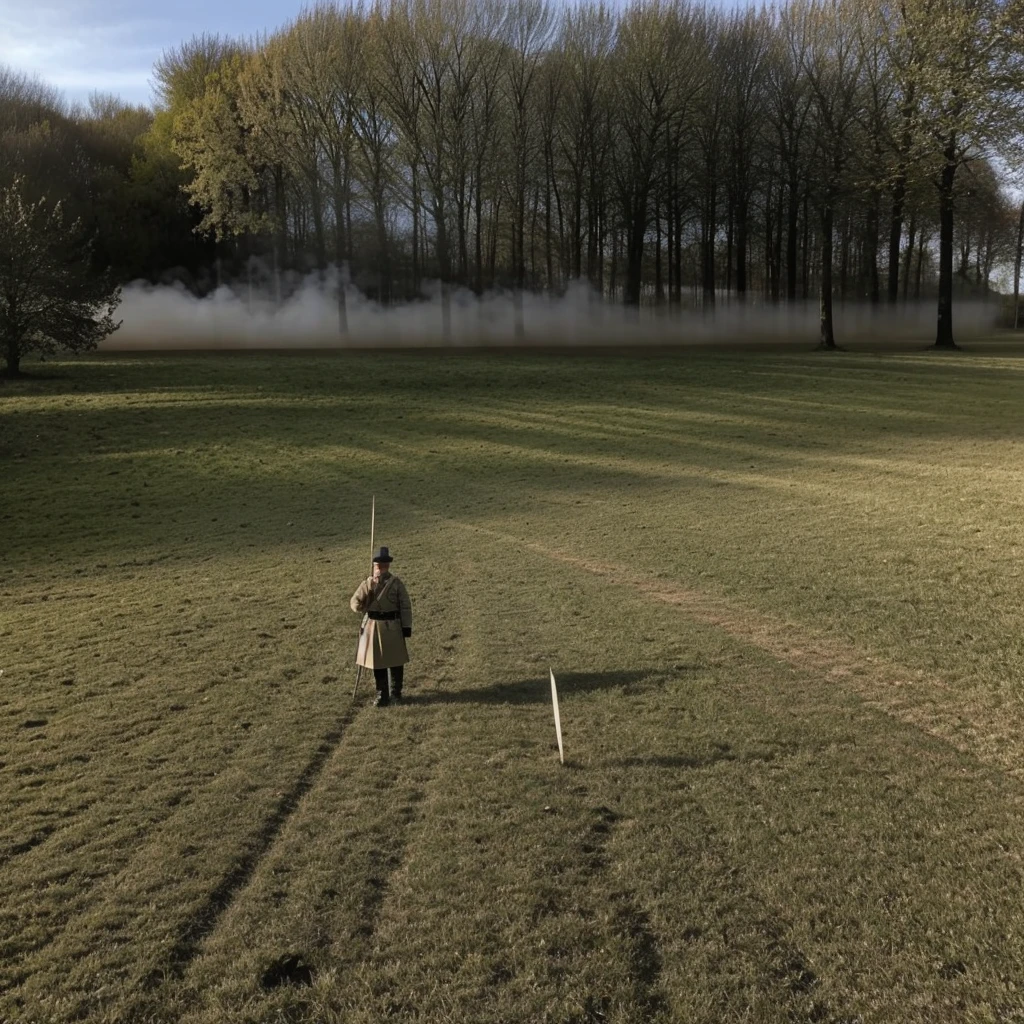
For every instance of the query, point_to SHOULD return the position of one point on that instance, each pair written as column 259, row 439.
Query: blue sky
column 82, row 46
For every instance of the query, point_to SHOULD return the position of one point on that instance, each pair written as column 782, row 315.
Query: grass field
column 781, row 593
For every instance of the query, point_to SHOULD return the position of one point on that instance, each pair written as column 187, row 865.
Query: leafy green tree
column 164, row 232
column 211, row 141
column 49, row 296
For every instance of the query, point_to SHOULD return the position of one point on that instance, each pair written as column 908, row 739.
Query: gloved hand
column 407, row 631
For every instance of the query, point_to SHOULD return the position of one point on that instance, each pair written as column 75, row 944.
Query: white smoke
column 169, row 317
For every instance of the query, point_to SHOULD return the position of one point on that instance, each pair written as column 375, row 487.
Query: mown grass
column 780, row 591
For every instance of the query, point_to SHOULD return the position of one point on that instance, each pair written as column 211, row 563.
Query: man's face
column 379, row 568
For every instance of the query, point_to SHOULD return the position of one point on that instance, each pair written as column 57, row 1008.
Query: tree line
column 668, row 153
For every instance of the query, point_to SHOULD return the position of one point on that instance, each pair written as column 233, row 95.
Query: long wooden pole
column 373, row 524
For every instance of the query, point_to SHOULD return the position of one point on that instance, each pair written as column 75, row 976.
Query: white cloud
column 83, row 47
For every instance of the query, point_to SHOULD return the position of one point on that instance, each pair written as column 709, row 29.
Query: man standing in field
column 387, row 621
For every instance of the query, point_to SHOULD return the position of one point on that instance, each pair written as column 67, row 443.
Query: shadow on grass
column 538, row 690
column 690, row 761
column 212, row 455
column 205, row 917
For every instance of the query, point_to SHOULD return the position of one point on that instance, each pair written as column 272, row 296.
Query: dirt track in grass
column 977, row 726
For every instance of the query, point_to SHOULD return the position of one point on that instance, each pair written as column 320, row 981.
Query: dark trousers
column 380, row 676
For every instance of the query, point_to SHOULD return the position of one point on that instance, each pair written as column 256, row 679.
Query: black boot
column 396, row 681
column 380, row 677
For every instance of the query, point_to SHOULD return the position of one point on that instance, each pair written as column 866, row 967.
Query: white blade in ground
column 558, row 721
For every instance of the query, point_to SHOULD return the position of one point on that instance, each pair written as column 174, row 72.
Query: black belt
column 382, row 616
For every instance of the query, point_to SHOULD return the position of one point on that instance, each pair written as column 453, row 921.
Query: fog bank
column 168, row 317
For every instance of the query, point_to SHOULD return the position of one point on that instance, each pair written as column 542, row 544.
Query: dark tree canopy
column 50, row 296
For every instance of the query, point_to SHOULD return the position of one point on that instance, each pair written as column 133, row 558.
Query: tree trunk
column 741, row 249
column 534, row 219
column 577, row 242
column 478, row 230
column 710, row 229
column 922, row 242
column 12, row 351
column 549, row 259
column 339, row 254
column 899, row 192
column 871, row 245
column 415, row 232
column 806, row 282
column 659, row 296
column 635, row 230
column 792, row 226
column 944, row 333
column 593, row 214
column 908, row 263
column 280, row 230
column 678, row 258
column 614, row 270
column 844, row 258
column 1018, row 255
column 492, row 244
column 319, row 240
column 828, row 338
column 670, row 241
column 384, row 254
column 348, row 217
column 563, row 245
column 462, row 214
column 729, row 222
column 777, row 262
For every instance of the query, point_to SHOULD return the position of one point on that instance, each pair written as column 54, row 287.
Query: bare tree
column 745, row 48
column 790, row 104
column 525, row 34
column 833, row 63
column 584, row 135
column 375, row 134
column 648, row 62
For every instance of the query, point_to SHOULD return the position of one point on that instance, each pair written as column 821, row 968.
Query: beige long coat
column 381, row 643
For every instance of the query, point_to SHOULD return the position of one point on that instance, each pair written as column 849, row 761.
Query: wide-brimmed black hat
column 383, row 555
